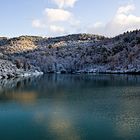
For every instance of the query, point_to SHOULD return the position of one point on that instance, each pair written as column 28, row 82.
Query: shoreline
column 36, row 74
column 21, row 75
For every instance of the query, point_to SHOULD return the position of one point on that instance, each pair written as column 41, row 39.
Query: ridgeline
column 78, row 53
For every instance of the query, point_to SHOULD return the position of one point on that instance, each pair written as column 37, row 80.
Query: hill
column 74, row 53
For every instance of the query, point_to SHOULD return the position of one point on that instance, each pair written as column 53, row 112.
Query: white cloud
column 97, row 28
column 54, row 15
column 57, row 29
column 122, row 21
column 36, row 23
column 64, row 3
column 126, row 9
column 56, row 21
column 98, row 25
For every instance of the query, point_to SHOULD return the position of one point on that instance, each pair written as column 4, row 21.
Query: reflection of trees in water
column 97, row 78
column 23, row 83
column 58, row 86
column 68, row 98
column 16, row 89
column 120, row 107
column 18, row 83
column 56, row 80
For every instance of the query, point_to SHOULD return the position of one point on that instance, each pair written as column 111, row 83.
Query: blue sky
column 60, row 17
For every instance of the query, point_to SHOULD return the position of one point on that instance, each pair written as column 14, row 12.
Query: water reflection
column 71, row 107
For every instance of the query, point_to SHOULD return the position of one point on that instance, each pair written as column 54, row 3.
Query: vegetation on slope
column 75, row 53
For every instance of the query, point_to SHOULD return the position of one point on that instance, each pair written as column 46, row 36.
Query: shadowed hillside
column 75, row 53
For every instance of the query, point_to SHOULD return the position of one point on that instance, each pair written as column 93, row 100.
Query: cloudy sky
column 60, row 17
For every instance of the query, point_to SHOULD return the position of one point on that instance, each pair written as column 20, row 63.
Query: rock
column 9, row 70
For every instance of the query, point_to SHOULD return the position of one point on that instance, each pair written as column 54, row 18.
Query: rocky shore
column 9, row 70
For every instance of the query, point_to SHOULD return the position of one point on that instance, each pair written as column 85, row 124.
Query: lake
column 70, row 107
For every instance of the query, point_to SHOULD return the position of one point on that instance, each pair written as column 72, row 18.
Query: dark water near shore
column 70, row 107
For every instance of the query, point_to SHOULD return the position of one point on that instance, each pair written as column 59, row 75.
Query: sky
column 61, row 17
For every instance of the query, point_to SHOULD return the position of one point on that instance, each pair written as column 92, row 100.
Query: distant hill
column 75, row 53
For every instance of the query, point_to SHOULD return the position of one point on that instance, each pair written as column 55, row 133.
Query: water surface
column 70, row 107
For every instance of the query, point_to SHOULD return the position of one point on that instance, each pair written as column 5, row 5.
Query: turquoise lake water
column 70, row 107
